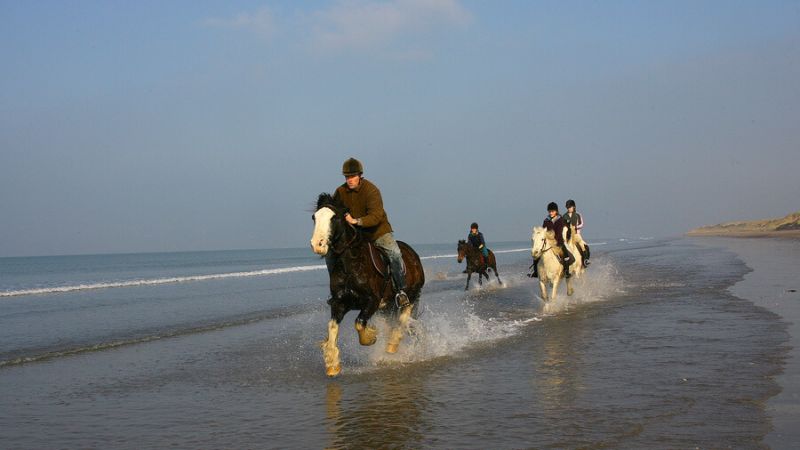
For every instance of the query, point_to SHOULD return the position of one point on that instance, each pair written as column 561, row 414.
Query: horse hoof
column 367, row 336
column 333, row 371
column 367, row 340
column 391, row 348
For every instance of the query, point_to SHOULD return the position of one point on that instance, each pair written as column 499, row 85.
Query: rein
column 347, row 245
column 546, row 249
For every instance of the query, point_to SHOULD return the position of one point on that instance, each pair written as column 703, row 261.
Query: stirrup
column 401, row 299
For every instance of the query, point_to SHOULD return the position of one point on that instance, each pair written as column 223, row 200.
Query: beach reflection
column 385, row 412
column 558, row 378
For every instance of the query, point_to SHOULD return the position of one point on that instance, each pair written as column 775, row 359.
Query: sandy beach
column 774, row 284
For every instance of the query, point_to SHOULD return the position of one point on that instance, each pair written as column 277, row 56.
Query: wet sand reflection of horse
column 356, row 283
column 476, row 263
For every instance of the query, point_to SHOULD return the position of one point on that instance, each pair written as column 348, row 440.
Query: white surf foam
column 183, row 279
column 158, row 281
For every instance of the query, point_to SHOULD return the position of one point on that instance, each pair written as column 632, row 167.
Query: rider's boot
column 535, row 273
column 567, row 259
column 399, row 279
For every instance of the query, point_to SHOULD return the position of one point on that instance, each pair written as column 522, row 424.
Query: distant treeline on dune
column 789, row 225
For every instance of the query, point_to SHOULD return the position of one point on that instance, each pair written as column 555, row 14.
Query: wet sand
column 774, row 284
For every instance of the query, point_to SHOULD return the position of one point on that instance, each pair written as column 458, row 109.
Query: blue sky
column 152, row 126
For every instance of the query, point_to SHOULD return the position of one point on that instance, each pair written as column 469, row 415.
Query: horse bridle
column 544, row 239
column 336, row 237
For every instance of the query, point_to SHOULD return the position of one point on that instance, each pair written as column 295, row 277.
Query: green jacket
column 366, row 204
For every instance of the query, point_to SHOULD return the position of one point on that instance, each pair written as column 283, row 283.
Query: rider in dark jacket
column 365, row 210
column 475, row 238
column 555, row 223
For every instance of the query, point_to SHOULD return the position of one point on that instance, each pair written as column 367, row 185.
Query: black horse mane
column 326, row 199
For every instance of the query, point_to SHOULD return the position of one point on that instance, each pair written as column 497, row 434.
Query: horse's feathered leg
column 330, row 351
column 399, row 330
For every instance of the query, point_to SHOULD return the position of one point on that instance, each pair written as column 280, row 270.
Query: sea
column 220, row 349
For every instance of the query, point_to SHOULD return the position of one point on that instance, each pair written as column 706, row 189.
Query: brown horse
column 475, row 262
column 359, row 279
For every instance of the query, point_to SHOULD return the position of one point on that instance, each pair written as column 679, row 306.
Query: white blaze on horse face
column 537, row 241
column 320, row 239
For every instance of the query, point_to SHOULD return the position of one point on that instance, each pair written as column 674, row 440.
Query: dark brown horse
column 359, row 279
column 476, row 263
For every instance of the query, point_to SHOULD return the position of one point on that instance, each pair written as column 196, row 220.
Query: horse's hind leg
column 497, row 275
column 399, row 330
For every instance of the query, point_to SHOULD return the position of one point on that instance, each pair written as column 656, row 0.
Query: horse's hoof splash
column 367, row 335
column 333, row 371
column 391, row 348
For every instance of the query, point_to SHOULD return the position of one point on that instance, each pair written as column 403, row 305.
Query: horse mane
column 326, row 199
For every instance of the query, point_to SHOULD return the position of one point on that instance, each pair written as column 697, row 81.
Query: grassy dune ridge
column 788, row 225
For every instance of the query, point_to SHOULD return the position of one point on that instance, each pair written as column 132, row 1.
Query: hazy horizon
column 194, row 126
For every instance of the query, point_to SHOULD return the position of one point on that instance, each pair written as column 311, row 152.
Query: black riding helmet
column 570, row 203
column 352, row 167
column 474, row 225
column 552, row 206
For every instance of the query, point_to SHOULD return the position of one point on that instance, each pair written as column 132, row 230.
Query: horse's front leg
column 480, row 278
column 542, row 287
column 469, row 276
column 399, row 331
column 556, row 280
column 330, row 350
column 570, row 291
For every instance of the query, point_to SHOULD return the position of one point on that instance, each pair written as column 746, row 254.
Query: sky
column 200, row 125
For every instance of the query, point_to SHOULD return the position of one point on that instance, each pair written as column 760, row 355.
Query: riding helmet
column 552, row 206
column 474, row 225
column 352, row 167
column 570, row 203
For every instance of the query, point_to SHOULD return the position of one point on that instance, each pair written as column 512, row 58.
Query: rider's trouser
column 392, row 250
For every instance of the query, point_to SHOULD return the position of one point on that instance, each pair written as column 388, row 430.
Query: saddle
column 380, row 261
